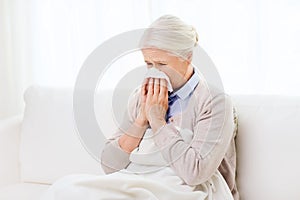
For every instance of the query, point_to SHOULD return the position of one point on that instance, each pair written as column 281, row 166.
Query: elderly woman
column 205, row 113
column 177, row 137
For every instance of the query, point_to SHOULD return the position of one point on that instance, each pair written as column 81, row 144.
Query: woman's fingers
column 150, row 87
column 156, row 86
column 145, row 86
column 144, row 90
column 157, row 100
column 163, row 94
column 163, row 87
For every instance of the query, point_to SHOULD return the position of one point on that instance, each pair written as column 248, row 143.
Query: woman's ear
column 189, row 57
column 187, row 61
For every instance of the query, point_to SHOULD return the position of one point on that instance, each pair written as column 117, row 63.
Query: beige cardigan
column 211, row 117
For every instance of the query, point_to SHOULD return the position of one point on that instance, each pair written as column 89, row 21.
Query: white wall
column 254, row 43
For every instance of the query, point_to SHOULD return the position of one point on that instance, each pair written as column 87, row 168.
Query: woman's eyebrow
column 156, row 61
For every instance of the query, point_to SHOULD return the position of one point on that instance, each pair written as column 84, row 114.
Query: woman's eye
column 162, row 64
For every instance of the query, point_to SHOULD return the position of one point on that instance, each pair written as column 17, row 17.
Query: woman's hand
column 156, row 102
column 142, row 118
column 133, row 136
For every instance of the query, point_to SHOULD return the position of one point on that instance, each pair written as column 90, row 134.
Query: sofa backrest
column 268, row 147
column 50, row 147
column 267, row 141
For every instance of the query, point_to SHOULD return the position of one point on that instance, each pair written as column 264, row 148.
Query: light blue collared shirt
column 184, row 94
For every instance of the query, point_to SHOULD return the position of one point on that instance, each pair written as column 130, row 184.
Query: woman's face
column 177, row 69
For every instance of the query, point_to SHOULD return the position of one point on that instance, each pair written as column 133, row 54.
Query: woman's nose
column 156, row 66
column 152, row 66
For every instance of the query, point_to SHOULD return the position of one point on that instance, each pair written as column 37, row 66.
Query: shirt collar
column 188, row 87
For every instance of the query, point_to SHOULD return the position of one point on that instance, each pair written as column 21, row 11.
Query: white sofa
column 41, row 146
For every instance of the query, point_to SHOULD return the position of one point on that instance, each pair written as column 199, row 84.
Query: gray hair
column 171, row 34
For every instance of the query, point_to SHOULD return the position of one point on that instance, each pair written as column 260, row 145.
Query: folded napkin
column 155, row 73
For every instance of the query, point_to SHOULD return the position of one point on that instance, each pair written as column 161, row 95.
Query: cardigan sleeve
column 113, row 157
column 196, row 161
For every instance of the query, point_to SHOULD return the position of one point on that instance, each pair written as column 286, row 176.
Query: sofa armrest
column 9, row 150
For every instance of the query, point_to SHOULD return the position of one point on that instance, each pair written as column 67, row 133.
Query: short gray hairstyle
column 171, row 34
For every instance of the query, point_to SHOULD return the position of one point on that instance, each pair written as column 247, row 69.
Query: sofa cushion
column 268, row 147
column 9, row 150
column 267, row 142
column 50, row 147
column 23, row 191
